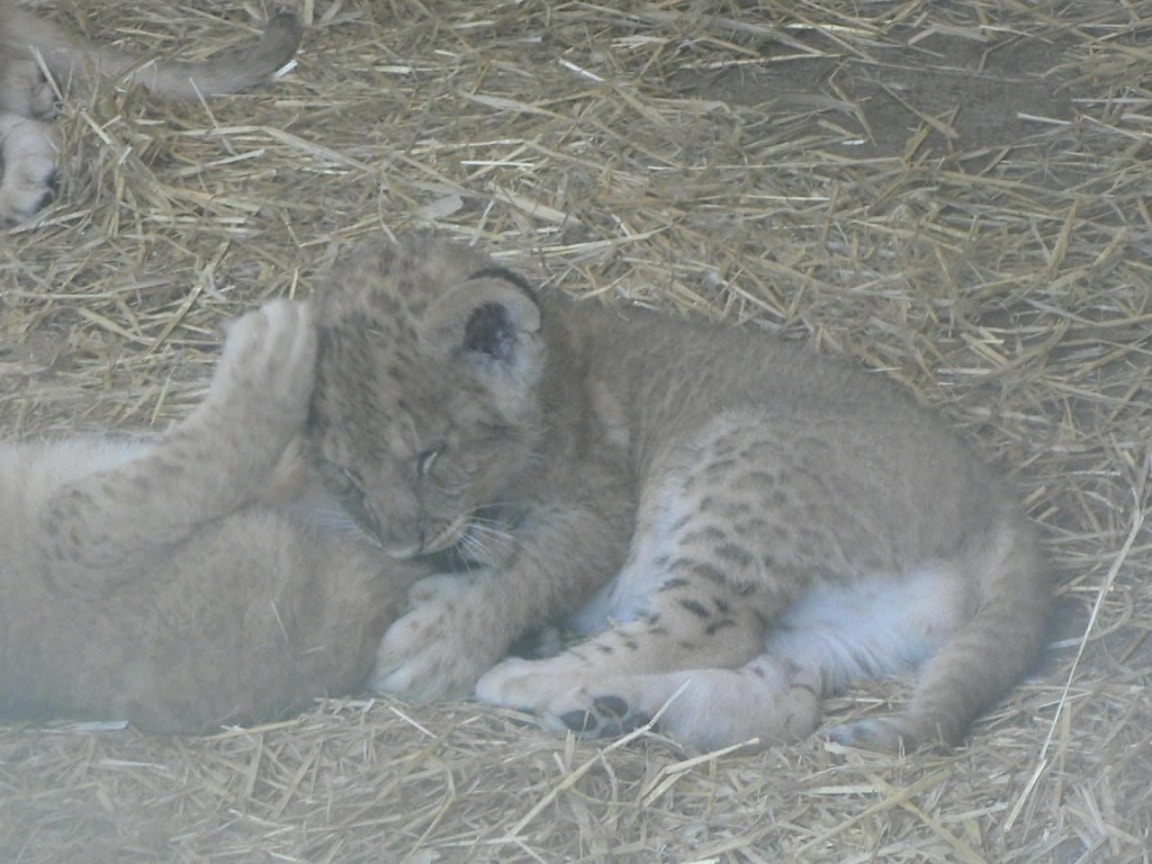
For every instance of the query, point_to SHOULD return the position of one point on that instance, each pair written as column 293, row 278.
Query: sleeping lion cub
column 742, row 526
column 197, row 579
column 27, row 143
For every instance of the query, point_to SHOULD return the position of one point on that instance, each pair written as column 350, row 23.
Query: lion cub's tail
column 230, row 71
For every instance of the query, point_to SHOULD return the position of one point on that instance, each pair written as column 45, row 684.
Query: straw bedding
column 955, row 192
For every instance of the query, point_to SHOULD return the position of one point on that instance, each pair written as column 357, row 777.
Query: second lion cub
column 764, row 525
column 193, row 579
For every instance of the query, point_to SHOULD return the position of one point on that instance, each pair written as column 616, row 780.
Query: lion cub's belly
column 870, row 628
column 840, row 631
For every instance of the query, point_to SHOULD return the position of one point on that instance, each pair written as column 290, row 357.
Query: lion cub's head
column 426, row 402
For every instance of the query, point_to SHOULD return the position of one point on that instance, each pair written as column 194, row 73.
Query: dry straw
column 956, row 192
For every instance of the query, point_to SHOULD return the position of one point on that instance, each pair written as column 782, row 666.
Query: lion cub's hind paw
column 604, row 717
column 559, row 702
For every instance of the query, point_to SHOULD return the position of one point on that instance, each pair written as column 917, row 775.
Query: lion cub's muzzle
column 427, row 539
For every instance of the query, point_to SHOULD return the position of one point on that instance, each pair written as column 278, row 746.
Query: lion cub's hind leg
column 694, row 603
column 975, row 636
column 831, row 635
column 763, row 576
column 969, row 649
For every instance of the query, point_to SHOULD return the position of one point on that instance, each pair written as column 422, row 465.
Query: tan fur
column 195, row 580
column 27, row 143
column 764, row 525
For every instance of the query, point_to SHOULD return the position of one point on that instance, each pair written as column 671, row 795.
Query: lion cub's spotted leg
column 767, row 702
column 215, row 461
column 622, row 675
column 699, row 592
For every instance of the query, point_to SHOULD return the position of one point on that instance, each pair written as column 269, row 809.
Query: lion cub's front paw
column 439, row 648
column 269, row 362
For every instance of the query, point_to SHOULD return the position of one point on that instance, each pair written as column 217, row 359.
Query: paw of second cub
column 439, row 648
column 270, row 357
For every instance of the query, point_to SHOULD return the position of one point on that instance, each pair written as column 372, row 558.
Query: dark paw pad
column 47, row 198
column 609, row 717
column 581, row 722
column 610, row 706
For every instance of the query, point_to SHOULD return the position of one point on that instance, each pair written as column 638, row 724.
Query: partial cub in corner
column 195, row 580
column 27, row 143
column 741, row 526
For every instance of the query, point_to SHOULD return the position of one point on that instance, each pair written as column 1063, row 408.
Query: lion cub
column 191, row 581
column 744, row 526
column 27, row 143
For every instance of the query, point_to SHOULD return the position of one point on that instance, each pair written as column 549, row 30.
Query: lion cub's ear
column 490, row 323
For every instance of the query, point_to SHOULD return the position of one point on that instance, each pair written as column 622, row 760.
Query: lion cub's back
column 671, row 376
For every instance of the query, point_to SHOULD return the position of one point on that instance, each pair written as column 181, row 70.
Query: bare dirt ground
column 954, row 192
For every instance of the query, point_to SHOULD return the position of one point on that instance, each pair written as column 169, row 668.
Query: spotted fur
column 193, row 580
column 740, row 526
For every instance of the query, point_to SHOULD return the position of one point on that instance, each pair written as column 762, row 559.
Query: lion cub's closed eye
column 742, row 527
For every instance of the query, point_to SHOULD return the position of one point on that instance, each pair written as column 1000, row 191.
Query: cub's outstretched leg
column 826, row 640
column 214, row 462
column 706, row 581
column 752, row 592
column 200, row 578
column 764, row 702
